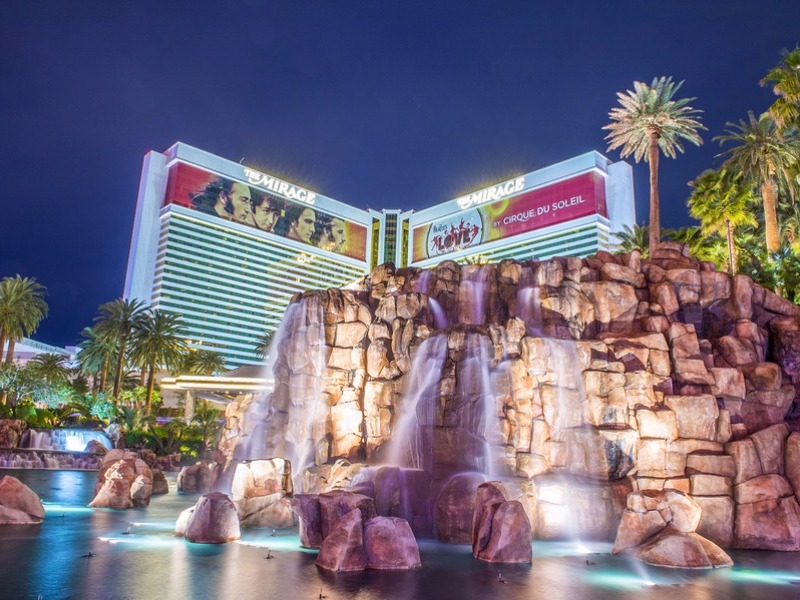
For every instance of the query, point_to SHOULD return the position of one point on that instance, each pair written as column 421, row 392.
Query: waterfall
column 472, row 294
column 412, row 436
column 474, row 386
column 281, row 420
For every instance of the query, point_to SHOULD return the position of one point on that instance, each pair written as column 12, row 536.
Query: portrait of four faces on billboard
column 240, row 203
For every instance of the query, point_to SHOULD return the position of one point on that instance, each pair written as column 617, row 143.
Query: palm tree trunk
column 10, row 353
column 120, row 360
column 2, row 345
column 151, row 377
column 732, row 266
column 103, row 375
column 770, row 216
column 142, row 376
column 655, row 217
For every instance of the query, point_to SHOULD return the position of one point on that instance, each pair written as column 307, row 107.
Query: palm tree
column 116, row 322
column 22, row 307
column 720, row 203
column 785, row 82
column 53, row 368
column 634, row 239
column 158, row 342
column 202, row 362
column 95, row 353
column 764, row 159
column 263, row 343
column 648, row 120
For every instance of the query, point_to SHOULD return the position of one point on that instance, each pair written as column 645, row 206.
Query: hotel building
column 227, row 246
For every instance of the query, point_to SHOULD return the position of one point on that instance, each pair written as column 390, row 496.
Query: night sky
column 378, row 104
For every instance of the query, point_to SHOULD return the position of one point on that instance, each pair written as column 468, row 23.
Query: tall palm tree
column 202, row 362
column 158, row 342
column 95, row 353
column 53, row 368
column 721, row 204
column 764, row 159
column 22, row 308
column 649, row 120
column 785, row 82
column 115, row 321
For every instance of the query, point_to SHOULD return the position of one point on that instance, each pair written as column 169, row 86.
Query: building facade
column 227, row 246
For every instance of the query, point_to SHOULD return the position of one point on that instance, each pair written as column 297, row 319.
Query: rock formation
column 350, row 537
column 123, row 481
column 501, row 531
column 261, row 491
column 212, row 520
column 575, row 380
column 659, row 527
column 19, row 504
column 196, row 478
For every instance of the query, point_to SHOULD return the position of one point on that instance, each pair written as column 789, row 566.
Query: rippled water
column 45, row 561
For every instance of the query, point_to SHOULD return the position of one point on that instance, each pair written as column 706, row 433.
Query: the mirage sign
column 491, row 220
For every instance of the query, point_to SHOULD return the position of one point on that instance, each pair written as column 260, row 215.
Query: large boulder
column 337, row 503
column 123, row 481
column 389, row 544
column 213, row 520
column 196, row 478
column 19, row 504
column 306, row 507
column 343, row 548
column 260, row 491
column 676, row 549
column 659, row 528
column 160, row 483
column 504, row 533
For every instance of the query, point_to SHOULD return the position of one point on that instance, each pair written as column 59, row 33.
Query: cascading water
column 280, row 421
column 411, row 445
column 472, row 294
column 440, row 320
column 474, row 386
column 529, row 309
column 473, row 412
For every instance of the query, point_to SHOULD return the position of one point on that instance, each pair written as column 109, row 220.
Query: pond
column 46, row 562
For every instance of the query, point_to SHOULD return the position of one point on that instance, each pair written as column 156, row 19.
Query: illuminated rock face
column 19, row 504
column 123, row 481
column 213, row 520
column 659, row 528
column 260, row 492
column 605, row 375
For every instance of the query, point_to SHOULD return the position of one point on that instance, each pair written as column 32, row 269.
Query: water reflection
column 151, row 563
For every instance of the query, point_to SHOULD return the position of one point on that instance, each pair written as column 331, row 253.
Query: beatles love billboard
column 548, row 205
column 264, row 209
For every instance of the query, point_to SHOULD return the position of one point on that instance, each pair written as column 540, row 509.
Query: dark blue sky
column 376, row 103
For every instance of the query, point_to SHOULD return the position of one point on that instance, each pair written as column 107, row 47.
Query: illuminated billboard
column 485, row 218
column 266, row 204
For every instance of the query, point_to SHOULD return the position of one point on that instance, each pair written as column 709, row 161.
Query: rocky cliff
column 580, row 380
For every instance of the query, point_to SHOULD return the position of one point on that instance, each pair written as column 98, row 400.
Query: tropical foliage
column 22, row 307
column 115, row 323
column 765, row 158
column 158, row 342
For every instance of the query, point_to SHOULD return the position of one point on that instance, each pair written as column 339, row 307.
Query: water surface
column 45, row 561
